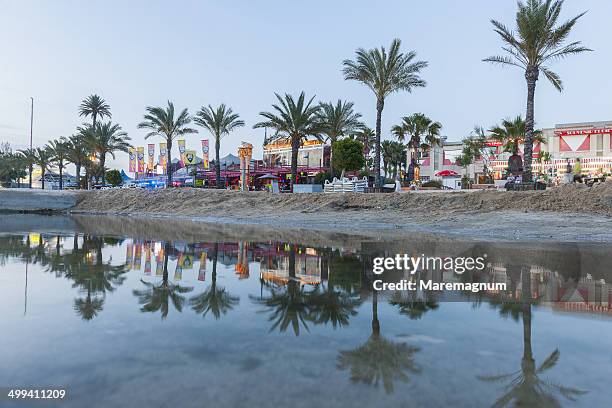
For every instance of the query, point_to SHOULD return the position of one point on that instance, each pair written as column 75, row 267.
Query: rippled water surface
column 126, row 318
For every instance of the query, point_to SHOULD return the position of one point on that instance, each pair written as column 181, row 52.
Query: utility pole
column 31, row 120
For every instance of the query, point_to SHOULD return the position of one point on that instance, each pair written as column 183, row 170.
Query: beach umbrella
column 446, row 173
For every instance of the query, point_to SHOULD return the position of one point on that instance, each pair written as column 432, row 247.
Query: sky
column 141, row 53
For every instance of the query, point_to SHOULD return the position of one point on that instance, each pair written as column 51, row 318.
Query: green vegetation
column 348, row 155
column 113, row 177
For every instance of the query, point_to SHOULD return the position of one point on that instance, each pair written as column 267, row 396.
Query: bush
column 113, row 177
column 432, row 183
column 347, row 155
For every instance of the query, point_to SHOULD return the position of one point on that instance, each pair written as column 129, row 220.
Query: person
column 577, row 171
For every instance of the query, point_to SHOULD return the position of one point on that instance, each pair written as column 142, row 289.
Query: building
column 312, row 154
column 591, row 142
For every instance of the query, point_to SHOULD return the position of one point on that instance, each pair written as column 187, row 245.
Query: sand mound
column 197, row 202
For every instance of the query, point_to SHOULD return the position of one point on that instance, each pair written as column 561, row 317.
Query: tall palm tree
column 215, row 299
column 421, row 132
column 44, row 160
column 158, row 297
column 537, row 41
column 106, row 138
column 96, row 107
column 338, row 121
column 367, row 137
column 384, row 73
column 219, row 122
column 526, row 387
column 511, row 133
column 29, row 156
column 379, row 359
column 293, row 121
column 77, row 154
column 59, row 155
column 162, row 122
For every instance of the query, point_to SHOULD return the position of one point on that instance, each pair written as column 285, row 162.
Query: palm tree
column 511, row 133
column 43, row 159
column 367, row 137
column 379, row 359
column 96, row 107
column 59, row 155
column 421, row 132
column 338, row 121
column 384, row 74
column 106, row 138
column 538, row 40
column 29, row 156
column 77, row 154
column 219, row 122
column 158, row 297
column 525, row 387
column 216, row 300
column 330, row 305
column 161, row 122
column 293, row 121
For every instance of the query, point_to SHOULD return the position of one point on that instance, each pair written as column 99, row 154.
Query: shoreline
column 565, row 214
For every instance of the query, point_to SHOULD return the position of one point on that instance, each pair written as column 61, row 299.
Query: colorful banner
column 190, row 157
column 129, row 255
column 163, row 156
column 132, row 153
column 147, row 268
column 159, row 268
column 185, row 261
column 151, row 161
column 202, row 271
column 140, row 157
column 137, row 256
column 181, row 147
column 178, row 273
column 205, row 153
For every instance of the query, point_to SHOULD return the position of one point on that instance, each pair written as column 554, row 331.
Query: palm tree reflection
column 216, row 300
column 525, row 387
column 156, row 298
column 379, row 359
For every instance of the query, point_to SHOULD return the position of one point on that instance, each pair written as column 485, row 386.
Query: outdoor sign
column 132, row 153
column 494, row 143
column 151, row 151
column 189, row 157
column 181, row 147
column 185, row 261
column 140, row 157
column 205, row 153
column 582, row 132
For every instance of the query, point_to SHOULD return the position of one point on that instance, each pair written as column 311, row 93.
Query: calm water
column 122, row 320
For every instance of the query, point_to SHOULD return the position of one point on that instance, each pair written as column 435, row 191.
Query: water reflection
column 159, row 297
column 527, row 387
column 216, row 300
column 306, row 290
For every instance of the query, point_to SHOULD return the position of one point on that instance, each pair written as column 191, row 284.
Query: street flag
column 205, row 153
column 151, row 162
column 190, row 157
column 147, row 268
column 202, row 271
column 137, row 256
column 132, row 153
column 181, row 147
column 140, row 156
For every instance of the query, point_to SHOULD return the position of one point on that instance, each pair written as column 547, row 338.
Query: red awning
column 446, row 173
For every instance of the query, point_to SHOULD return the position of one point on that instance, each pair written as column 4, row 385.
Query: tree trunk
column 380, row 104
column 295, row 146
column 526, row 297
column 168, row 163
column 217, row 161
column 102, row 163
column 61, row 174
column 78, row 175
column 31, row 169
column 375, row 322
column 42, row 178
column 531, row 75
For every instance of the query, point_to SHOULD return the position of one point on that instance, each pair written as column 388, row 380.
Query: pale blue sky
column 140, row 53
